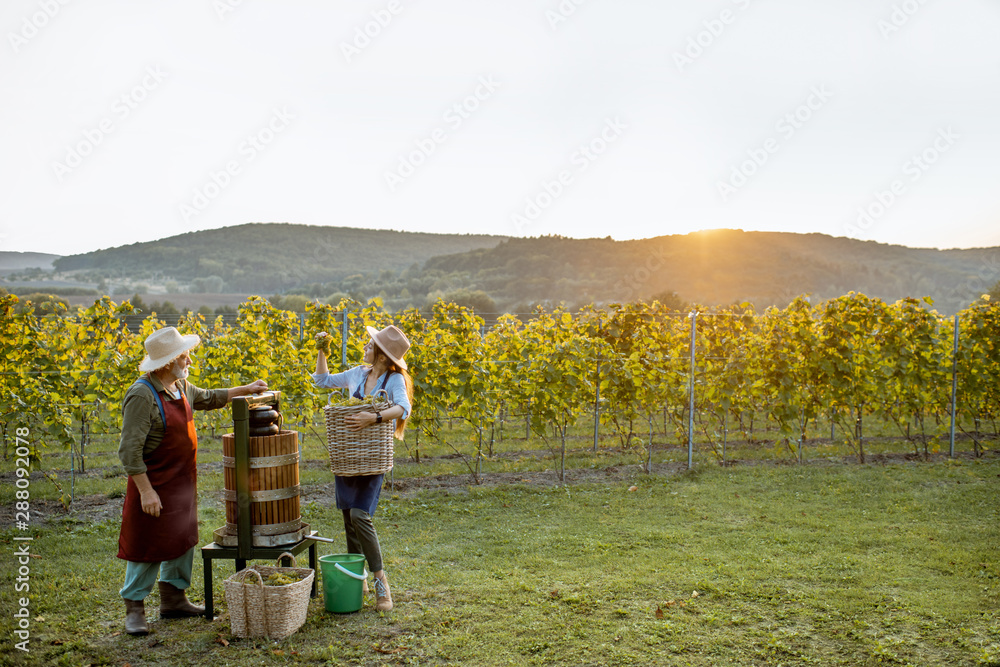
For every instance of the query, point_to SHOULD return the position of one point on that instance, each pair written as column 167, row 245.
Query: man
column 158, row 450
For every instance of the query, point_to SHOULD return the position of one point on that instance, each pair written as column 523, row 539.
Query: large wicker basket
column 365, row 452
column 275, row 612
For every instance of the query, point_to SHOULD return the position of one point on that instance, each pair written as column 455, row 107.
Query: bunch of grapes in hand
column 323, row 340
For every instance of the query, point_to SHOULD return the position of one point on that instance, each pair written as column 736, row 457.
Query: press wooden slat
column 268, row 517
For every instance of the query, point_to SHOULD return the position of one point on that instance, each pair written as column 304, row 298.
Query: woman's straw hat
column 392, row 341
column 165, row 345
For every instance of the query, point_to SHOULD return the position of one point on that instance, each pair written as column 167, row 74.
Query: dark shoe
column 174, row 603
column 135, row 618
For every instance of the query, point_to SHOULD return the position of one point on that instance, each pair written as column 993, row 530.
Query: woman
column 357, row 497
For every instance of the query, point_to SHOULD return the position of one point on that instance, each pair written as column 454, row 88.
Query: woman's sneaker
column 383, row 598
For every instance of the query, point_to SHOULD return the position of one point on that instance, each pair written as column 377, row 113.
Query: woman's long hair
column 407, row 381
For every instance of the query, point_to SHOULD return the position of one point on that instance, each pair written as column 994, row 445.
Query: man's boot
column 174, row 603
column 135, row 617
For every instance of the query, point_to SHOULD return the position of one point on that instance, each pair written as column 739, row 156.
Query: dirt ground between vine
column 97, row 508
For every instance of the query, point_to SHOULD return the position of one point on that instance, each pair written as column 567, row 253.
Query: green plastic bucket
column 343, row 576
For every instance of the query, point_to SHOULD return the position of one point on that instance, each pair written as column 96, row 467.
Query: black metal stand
column 244, row 549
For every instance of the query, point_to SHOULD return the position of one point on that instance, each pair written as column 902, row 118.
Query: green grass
column 814, row 565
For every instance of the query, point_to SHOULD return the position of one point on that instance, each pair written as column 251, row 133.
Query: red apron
column 172, row 470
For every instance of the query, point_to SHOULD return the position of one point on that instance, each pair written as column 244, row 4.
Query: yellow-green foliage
column 843, row 360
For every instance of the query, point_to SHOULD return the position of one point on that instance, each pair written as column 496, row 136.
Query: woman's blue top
column 362, row 491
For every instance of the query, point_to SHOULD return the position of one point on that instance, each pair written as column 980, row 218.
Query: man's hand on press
column 254, row 387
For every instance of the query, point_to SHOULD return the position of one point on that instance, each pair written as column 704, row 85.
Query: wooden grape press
column 261, row 466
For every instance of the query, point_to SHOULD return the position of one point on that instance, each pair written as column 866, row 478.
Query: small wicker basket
column 365, row 452
column 275, row 612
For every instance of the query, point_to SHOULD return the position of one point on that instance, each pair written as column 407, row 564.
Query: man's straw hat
column 165, row 345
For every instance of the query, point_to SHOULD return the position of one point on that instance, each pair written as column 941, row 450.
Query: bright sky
column 127, row 121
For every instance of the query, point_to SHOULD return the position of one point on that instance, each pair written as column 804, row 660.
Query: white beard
column 179, row 374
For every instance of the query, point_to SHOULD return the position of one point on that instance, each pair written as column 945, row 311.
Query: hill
column 722, row 267
column 271, row 256
column 496, row 273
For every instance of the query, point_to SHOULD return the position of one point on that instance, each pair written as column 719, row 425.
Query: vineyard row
column 847, row 360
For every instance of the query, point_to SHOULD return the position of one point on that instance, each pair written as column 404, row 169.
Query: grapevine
column 845, row 360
